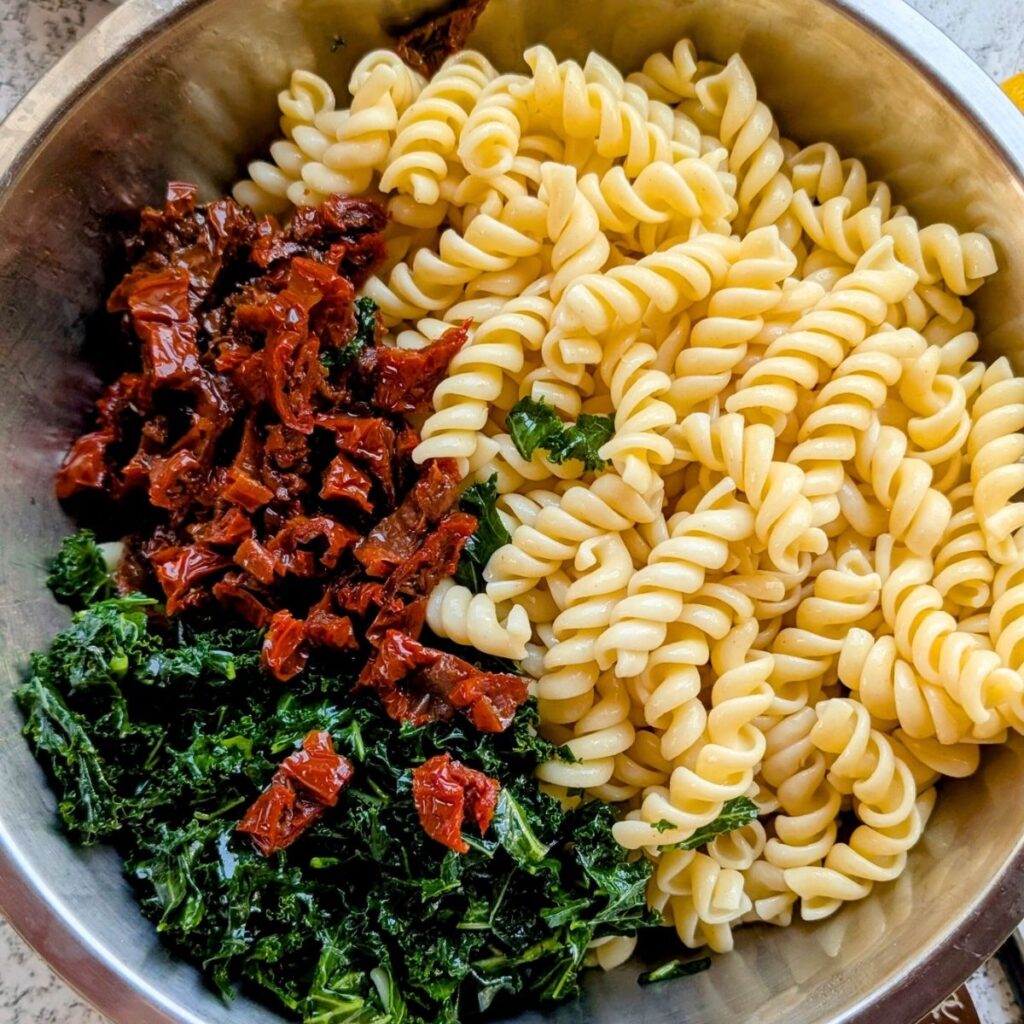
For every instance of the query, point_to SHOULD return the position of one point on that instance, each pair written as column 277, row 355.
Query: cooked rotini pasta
column 795, row 580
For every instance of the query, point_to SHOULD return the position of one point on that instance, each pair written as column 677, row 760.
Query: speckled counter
column 34, row 33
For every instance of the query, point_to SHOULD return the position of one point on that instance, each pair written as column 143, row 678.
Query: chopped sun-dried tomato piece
column 179, row 569
column 370, row 441
column 398, row 615
column 85, row 466
column 419, row 684
column 229, row 529
column 325, row 629
column 437, row 557
column 241, row 489
column 398, row 535
column 318, row 769
column 405, row 379
column 233, row 594
column 445, row 791
column 256, row 560
column 159, row 305
column 284, row 652
column 307, row 783
column 345, row 481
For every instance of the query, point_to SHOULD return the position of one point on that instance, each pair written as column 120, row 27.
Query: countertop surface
column 33, row 35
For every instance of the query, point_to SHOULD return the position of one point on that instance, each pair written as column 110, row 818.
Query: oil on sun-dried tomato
column 419, row 684
column 307, row 783
column 445, row 791
column 406, row 378
column 283, row 653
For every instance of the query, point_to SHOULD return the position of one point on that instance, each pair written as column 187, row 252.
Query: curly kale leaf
column 534, row 424
column 79, row 573
column 480, row 500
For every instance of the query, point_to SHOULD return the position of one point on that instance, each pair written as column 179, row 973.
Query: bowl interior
column 192, row 96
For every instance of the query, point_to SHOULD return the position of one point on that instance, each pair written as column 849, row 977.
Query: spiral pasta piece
column 491, row 134
column 470, row 619
column 995, row 448
column 775, row 490
column 866, row 765
column 428, row 133
column 821, row 339
column 477, row 377
column 669, row 79
column 583, row 512
column 699, row 543
column 747, row 129
column 720, row 767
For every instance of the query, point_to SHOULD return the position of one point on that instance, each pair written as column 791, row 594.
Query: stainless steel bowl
column 185, row 89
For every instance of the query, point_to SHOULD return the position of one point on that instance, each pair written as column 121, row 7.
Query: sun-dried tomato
column 404, row 379
column 445, row 791
column 407, row 618
column 344, row 481
column 317, row 769
column 336, row 538
column 397, row 536
column 419, row 684
column 179, row 569
column 284, row 653
column 256, row 560
column 173, row 481
column 325, row 629
column 159, row 306
column 370, row 441
column 228, row 529
column 243, row 490
column 307, row 783
column 85, row 467
column 435, row 559
column 233, row 594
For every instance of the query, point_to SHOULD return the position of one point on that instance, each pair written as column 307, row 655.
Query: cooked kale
column 534, row 424
column 159, row 741
column 735, row 814
column 480, row 500
column 677, row 968
column 78, row 572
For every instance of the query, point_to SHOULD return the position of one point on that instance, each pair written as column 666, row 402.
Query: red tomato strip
column 445, row 791
column 307, row 783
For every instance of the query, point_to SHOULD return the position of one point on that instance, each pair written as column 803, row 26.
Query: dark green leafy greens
column 534, row 424
column 480, row 500
column 735, row 814
column 159, row 742
column 78, row 572
column 365, row 310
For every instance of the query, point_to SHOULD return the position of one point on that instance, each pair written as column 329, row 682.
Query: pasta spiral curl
column 699, row 898
column 893, row 692
column 734, row 317
column 608, row 505
column 747, row 129
column 470, row 619
column 774, row 490
column 489, row 247
column 580, row 246
column 566, row 690
column 595, row 103
column 995, row 448
column 720, row 767
column 805, row 829
column 865, row 764
column 918, row 513
column 671, row 688
column 652, row 290
column 490, row 137
column 963, row 571
column 847, row 405
column 1006, row 619
column 928, row 638
column 699, row 543
column 428, row 133
column 821, row 339
column 936, row 253
column 477, row 376
column 669, row 79
column 676, row 196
